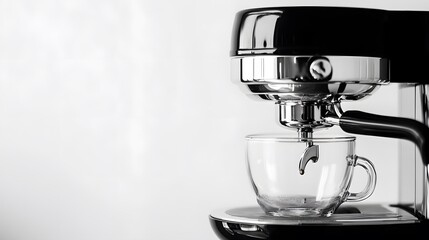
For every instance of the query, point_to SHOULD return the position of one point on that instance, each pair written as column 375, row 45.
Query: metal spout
column 310, row 153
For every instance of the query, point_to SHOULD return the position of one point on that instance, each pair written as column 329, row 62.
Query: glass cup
column 273, row 163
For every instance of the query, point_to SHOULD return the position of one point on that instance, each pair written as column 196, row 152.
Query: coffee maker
column 307, row 60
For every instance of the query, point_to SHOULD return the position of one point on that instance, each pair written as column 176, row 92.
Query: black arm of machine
column 384, row 126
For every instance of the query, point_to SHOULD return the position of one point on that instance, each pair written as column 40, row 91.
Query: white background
column 118, row 119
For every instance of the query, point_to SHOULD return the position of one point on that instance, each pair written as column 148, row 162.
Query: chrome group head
column 309, row 89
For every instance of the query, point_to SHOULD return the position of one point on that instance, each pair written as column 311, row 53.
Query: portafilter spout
column 305, row 117
column 311, row 152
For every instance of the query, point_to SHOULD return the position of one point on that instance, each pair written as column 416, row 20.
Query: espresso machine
column 307, row 60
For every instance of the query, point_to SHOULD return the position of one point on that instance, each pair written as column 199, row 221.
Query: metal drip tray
column 369, row 214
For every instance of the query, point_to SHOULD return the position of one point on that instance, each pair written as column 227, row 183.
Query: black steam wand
column 358, row 122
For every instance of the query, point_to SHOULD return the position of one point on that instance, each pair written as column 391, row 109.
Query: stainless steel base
column 345, row 215
column 371, row 221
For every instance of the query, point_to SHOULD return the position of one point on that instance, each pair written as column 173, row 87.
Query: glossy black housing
column 400, row 36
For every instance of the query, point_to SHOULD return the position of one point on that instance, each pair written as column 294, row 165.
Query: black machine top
column 400, row 36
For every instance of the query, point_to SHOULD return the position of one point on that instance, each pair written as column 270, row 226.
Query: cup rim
column 288, row 138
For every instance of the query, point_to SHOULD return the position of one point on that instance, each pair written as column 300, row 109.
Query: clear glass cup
column 273, row 163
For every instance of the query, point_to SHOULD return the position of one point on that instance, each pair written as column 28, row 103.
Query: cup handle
column 370, row 185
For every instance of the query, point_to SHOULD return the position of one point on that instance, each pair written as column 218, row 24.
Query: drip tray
column 345, row 215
